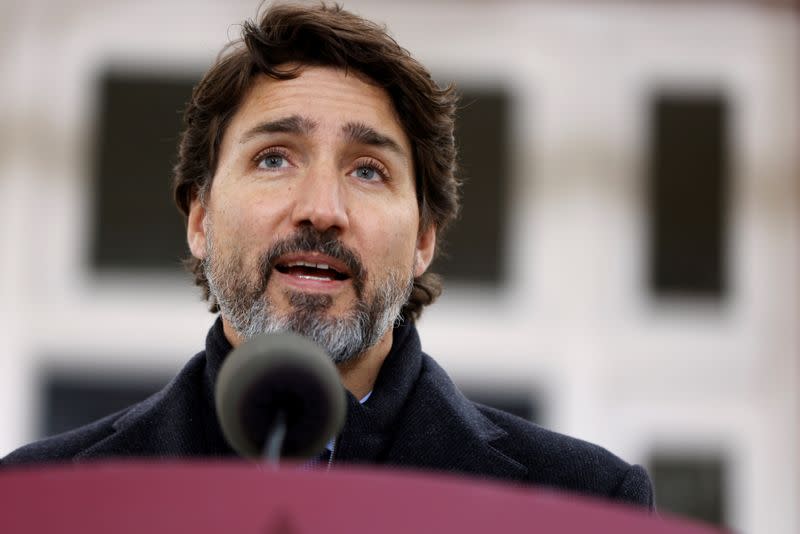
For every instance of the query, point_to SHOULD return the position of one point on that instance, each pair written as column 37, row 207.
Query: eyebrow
column 358, row 132
column 354, row 132
column 294, row 124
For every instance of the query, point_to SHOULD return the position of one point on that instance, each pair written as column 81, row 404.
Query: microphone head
column 274, row 373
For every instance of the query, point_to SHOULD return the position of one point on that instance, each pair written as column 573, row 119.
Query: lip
column 310, row 284
column 315, row 257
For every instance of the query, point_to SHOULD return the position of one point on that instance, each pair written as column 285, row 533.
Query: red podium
column 242, row 498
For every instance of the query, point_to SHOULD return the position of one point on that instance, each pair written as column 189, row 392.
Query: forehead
column 326, row 96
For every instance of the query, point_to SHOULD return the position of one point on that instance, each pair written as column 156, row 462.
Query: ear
column 196, row 229
column 426, row 245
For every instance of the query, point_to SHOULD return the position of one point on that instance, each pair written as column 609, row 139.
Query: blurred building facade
column 628, row 265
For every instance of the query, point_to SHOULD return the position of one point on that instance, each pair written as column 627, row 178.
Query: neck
column 358, row 375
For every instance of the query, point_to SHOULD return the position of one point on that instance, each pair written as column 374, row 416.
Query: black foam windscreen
column 280, row 373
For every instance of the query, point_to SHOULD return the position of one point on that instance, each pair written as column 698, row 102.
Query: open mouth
column 312, row 270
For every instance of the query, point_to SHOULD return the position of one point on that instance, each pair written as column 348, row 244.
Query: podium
column 246, row 498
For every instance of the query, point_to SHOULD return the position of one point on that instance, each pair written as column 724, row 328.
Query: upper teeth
column 308, row 264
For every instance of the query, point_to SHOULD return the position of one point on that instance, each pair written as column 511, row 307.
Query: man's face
column 312, row 223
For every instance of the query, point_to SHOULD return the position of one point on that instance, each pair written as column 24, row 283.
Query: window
column 71, row 399
column 474, row 247
column 136, row 226
column 688, row 193
column 691, row 486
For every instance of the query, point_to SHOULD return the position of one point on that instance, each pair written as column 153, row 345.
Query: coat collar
column 443, row 430
column 415, row 417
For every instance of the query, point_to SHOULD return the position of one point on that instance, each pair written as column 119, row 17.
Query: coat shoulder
column 65, row 446
column 562, row 462
column 148, row 428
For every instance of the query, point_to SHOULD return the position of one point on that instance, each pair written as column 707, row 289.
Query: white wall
column 575, row 319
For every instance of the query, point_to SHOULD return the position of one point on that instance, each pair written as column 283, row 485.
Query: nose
column 319, row 201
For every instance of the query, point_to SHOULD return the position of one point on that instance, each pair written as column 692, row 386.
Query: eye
column 366, row 173
column 272, row 158
column 273, row 161
column 370, row 171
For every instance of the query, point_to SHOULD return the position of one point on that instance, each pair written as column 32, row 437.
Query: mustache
column 309, row 239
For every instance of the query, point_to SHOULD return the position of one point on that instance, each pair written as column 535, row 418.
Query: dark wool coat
column 415, row 418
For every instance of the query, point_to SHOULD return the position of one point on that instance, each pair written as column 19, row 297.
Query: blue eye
column 366, row 173
column 370, row 170
column 272, row 161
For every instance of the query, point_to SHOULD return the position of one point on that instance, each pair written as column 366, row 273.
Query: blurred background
column 626, row 268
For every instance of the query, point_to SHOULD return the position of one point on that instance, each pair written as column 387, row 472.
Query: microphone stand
column 274, row 442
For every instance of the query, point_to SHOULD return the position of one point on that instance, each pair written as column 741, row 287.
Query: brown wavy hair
column 329, row 36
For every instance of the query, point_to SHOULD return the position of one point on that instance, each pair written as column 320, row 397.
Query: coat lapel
column 444, row 431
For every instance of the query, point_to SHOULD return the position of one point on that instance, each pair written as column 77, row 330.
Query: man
column 316, row 172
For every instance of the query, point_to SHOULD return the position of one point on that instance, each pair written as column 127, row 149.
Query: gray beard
column 250, row 312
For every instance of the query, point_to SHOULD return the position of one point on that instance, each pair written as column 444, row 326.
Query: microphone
column 279, row 395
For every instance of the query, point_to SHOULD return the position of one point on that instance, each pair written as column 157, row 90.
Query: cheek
column 246, row 220
column 396, row 243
